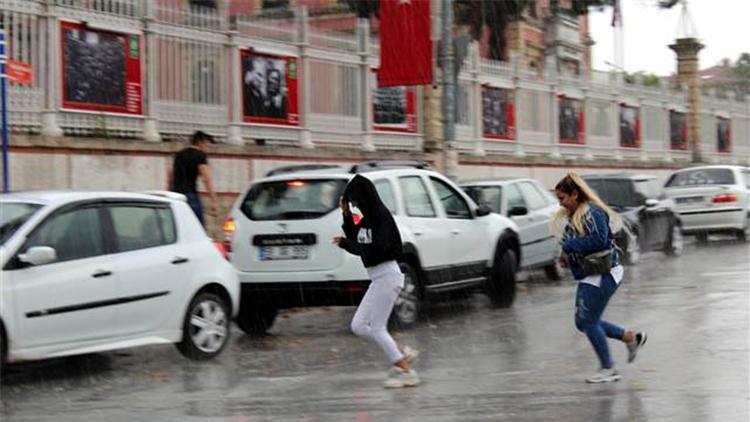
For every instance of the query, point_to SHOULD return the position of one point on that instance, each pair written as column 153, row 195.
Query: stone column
column 305, row 135
column 687, row 72
column 476, row 101
column 365, row 91
column 433, row 124
column 52, row 90
column 234, row 133
column 150, row 124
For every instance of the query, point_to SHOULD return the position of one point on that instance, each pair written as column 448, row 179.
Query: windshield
column 13, row 215
column 649, row 188
column 617, row 193
column 486, row 195
column 293, row 199
column 700, row 177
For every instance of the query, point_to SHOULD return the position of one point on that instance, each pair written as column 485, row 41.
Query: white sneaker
column 635, row 345
column 604, row 375
column 410, row 354
column 399, row 378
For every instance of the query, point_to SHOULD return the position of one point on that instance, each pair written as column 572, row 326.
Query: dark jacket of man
column 376, row 238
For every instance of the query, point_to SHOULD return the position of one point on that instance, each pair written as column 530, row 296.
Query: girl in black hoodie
column 377, row 241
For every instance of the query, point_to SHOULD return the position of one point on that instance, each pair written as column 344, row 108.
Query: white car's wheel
column 633, row 251
column 744, row 235
column 406, row 309
column 676, row 242
column 206, row 328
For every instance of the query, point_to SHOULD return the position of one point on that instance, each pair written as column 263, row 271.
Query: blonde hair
column 574, row 183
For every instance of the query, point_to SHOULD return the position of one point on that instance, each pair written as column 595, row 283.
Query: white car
column 531, row 207
column 280, row 230
column 712, row 199
column 86, row 272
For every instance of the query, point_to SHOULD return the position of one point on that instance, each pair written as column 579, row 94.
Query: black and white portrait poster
column 630, row 126
column 393, row 108
column 724, row 135
column 677, row 130
column 498, row 116
column 571, row 120
column 101, row 70
column 269, row 88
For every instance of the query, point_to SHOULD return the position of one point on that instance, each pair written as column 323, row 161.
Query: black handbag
column 596, row 263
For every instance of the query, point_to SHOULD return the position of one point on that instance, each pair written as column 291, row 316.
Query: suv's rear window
column 700, row 177
column 293, row 199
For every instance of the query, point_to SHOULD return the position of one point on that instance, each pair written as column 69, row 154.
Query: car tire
column 676, row 242
column 701, row 237
column 554, row 270
column 205, row 331
column 256, row 320
column 744, row 234
column 3, row 346
column 408, row 304
column 501, row 284
column 632, row 252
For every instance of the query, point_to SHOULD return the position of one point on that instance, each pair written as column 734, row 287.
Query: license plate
column 285, row 252
column 690, row 200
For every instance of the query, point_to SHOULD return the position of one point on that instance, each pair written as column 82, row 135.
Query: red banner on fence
column 19, row 72
column 405, row 45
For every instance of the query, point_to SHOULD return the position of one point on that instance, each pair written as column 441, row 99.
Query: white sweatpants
column 371, row 319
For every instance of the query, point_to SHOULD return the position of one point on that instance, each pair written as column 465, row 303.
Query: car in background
column 649, row 217
column 280, row 229
column 712, row 199
column 87, row 272
column 531, row 207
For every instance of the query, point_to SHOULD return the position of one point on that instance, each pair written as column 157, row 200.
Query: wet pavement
column 477, row 363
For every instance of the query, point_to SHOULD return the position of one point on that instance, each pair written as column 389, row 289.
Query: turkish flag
column 405, row 45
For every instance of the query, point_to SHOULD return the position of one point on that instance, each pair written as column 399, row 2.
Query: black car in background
column 653, row 225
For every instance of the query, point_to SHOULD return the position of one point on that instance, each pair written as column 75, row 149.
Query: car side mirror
column 38, row 255
column 518, row 211
column 483, row 210
column 650, row 203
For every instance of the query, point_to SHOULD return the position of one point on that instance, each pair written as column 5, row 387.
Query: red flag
column 616, row 14
column 405, row 45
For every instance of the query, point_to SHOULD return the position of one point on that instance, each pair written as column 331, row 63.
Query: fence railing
column 198, row 66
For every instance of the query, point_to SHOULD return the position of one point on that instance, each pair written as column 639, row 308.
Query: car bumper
column 713, row 220
column 296, row 294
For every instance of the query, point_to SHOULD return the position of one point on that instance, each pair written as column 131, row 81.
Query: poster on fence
column 571, row 120
column 630, row 126
column 677, row 130
column 394, row 108
column 101, row 70
column 269, row 88
column 724, row 134
column 498, row 113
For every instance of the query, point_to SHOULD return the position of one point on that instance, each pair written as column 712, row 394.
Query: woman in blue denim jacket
column 585, row 225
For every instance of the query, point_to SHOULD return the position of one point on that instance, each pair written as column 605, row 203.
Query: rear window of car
column 700, row 177
column 292, row 199
column 486, row 195
column 616, row 192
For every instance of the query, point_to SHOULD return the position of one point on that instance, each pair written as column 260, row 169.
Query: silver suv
column 280, row 229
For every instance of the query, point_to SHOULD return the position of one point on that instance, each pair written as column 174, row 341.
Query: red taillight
column 724, row 198
column 229, row 228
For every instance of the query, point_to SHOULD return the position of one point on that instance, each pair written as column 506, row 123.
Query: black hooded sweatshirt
column 376, row 238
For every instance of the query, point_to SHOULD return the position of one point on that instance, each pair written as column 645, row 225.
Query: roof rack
column 300, row 167
column 383, row 164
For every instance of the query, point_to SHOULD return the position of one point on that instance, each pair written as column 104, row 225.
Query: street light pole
column 4, row 101
column 449, row 86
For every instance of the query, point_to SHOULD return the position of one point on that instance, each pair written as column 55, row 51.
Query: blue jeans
column 590, row 304
column 195, row 204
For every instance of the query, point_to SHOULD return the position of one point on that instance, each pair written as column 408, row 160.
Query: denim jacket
column 598, row 237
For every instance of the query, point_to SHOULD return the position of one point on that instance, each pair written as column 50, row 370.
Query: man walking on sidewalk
column 188, row 165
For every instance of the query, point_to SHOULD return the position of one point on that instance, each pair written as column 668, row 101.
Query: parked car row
column 97, row 271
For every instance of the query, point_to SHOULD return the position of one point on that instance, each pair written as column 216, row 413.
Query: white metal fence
column 192, row 79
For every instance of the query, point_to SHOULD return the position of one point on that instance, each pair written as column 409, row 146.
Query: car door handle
column 456, row 231
column 417, row 233
column 101, row 273
column 179, row 260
